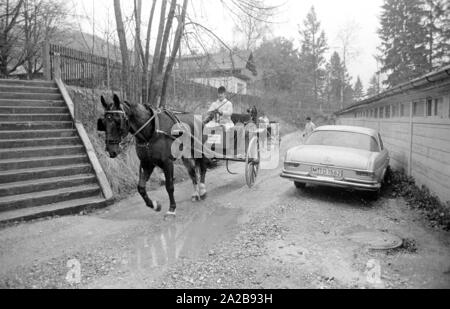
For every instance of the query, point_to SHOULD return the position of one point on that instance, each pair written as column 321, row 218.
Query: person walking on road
column 309, row 128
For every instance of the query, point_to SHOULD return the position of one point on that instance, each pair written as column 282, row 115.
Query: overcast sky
column 333, row 14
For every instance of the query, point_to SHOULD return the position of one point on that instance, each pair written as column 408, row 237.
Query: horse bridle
column 127, row 123
column 122, row 125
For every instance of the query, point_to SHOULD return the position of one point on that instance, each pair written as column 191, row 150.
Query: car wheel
column 387, row 175
column 373, row 195
column 300, row 185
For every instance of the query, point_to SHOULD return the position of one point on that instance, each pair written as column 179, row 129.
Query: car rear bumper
column 325, row 181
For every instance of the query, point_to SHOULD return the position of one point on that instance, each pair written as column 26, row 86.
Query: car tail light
column 365, row 174
column 291, row 165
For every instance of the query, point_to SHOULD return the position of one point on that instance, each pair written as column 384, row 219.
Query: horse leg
column 144, row 176
column 190, row 166
column 168, row 173
column 203, row 169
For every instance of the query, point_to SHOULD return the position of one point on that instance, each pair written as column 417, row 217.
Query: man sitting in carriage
column 219, row 116
column 220, row 111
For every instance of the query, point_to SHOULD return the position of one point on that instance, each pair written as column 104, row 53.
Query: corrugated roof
column 430, row 78
column 223, row 61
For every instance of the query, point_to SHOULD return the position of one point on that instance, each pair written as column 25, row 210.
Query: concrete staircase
column 44, row 167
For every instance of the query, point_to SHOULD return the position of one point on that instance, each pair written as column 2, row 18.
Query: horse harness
column 125, row 125
column 158, row 131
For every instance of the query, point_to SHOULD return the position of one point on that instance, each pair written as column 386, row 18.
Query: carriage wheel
column 252, row 162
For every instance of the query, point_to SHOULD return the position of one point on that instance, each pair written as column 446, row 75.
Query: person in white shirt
column 263, row 119
column 220, row 111
column 309, row 128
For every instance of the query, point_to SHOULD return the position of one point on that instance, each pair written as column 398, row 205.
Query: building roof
column 225, row 61
column 360, row 130
column 420, row 82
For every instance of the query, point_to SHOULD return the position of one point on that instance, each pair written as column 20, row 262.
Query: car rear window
column 344, row 139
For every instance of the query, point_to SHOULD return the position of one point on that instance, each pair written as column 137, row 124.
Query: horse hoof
column 204, row 196
column 195, row 198
column 156, row 206
column 170, row 214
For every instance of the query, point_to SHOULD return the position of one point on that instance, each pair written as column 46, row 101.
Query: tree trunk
column 177, row 43
column 155, row 78
column 123, row 47
column 145, row 80
column 165, row 41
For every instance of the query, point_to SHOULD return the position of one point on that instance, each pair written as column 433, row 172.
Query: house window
column 381, row 113
column 438, row 103
column 394, row 111
column 402, row 110
column 418, row 109
column 388, row 111
column 429, row 107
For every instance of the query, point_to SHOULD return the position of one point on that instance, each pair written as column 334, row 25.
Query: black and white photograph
column 224, row 150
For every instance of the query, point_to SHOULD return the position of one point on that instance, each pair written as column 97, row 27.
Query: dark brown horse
column 154, row 139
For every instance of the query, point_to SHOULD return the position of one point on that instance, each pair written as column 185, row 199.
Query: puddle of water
column 184, row 240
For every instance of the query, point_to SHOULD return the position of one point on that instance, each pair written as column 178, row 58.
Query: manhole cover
column 377, row 240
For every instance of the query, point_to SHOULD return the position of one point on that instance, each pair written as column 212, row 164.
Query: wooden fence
column 86, row 70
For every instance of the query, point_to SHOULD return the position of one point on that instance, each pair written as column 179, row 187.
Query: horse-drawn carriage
column 153, row 131
column 240, row 144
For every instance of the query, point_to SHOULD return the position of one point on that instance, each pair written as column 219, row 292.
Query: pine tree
column 404, row 47
column 338, row 83
column 374, row 86
column 437, row 23
column 312, row 58
column 358, row 90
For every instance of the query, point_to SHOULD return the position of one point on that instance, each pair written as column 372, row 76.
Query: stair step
column 38, row 125
column 5, row 135
column 27, row 83
column 33, row 110
column 31, row 96
column 34, row 152
column 39, row 142
column 48, row 197
column 6, row 118
column 19, row 164
column 32, row 103
column 27, row 89
column 36, row 185
column 58, row 209
column 11, row 176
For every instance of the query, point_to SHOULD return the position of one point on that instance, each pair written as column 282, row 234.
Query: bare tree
column 25, row 25
column 253, row 28
column 347, row 38
column 170, row 32
column 10, row 18
column 123, row 46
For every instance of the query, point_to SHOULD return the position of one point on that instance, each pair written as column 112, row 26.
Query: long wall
column 415, row 127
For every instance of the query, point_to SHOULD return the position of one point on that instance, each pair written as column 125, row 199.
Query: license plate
column 327, row 172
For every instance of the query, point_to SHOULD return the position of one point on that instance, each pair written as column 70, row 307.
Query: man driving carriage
column 220, row 111
column 219, row 115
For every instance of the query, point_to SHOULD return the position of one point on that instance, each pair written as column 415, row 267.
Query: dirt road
column 271, row 236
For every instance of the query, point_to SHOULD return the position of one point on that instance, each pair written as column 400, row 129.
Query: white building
column 235, row 71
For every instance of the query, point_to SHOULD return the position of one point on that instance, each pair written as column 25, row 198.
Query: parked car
column 339, row 156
